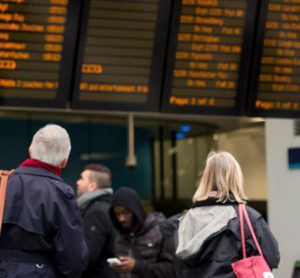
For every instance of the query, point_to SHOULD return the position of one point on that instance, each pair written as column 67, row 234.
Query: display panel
column 35, row 68
column 209, row 55
column 121, row 54
column 276, row 79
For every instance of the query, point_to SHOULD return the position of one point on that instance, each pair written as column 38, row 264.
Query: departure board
column 276, row 83
column 209, row 56
column 121, row 54
column 37, row 44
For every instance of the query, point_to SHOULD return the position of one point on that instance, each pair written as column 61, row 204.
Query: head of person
column 222, row 178
column 51, row 144
column 93, row 177
column 127, row 212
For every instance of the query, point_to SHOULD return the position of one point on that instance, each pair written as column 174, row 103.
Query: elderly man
column 42, row 233
column 94, row 198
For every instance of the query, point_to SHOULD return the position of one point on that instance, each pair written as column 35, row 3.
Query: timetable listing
column 278, row 77
column 208, row 53
column 31, row 44
column 118, row 49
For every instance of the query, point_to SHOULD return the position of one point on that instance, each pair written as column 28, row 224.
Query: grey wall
column 283, row 192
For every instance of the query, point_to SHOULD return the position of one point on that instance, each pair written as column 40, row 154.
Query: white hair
column 51, row 144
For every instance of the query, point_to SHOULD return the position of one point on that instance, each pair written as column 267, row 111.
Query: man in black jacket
column 94, row 198
column 141, row 247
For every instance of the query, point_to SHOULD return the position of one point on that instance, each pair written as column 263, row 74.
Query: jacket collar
column 86, row 198
column 212, row 201
column 39, row 164
column 36, row 171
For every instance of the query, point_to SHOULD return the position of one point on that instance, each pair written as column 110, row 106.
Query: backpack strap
column 3, row 185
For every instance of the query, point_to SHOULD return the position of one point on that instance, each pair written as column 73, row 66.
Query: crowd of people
column 49, row 231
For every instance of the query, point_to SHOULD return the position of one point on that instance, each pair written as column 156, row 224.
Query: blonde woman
column 209, row 233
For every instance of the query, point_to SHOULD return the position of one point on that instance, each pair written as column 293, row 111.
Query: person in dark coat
column 209, row 238
column 142, row 248
column 94, row 198
column 42, row 232
column 169, row 228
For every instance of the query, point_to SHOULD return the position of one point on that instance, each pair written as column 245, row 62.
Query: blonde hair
column 222, row 174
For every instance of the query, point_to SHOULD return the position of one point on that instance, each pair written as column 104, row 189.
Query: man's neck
column 136, row 228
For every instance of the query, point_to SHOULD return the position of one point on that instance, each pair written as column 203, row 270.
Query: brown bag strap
column 3, row 185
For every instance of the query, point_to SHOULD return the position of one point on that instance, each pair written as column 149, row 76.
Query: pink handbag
column 255, row 266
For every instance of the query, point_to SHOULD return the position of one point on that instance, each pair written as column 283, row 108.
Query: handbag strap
column 241, row 217
column 243, row 213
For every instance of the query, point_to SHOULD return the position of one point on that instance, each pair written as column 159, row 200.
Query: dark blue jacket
column 42, row 233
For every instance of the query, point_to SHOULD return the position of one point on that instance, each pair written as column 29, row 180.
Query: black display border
column 65, row 71
column 243, row 79
column 252, row 111
column 156, row 75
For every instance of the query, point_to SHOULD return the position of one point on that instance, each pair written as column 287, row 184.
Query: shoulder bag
column 254, row 266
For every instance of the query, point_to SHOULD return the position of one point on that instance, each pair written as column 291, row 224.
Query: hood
column 199, row 224
column 152, row 219
column 128, row 198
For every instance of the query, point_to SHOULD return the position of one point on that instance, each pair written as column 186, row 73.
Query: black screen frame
column 65, row 72
column 253, row 111
column 156, row 75
column 243, row 79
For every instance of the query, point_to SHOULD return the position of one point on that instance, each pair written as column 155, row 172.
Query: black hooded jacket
column 99, row 234
column 152, row 250
column 209, row 240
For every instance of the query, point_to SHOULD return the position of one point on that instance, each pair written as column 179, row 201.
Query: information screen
column 35, row 68
column 276, row 83
column 121, row 54
column 209, row 56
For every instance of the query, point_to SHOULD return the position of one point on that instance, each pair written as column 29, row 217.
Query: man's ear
column 63, row 163
column 29, row 152
column 93, row 186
